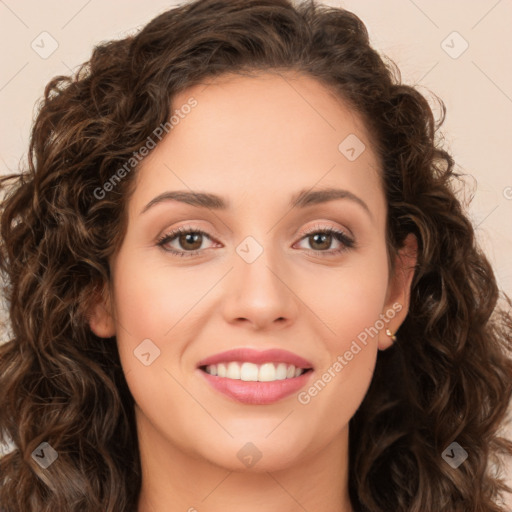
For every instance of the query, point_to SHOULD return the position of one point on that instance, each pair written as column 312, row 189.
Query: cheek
column 349, row 299
column 147, row 309
column 160, row 303
column 349, row 302
column 151, row 298
column 148, row 312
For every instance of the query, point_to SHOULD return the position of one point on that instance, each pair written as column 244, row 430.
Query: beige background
column 475, row 84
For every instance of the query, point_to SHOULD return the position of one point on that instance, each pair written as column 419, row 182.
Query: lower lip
column 257, row 393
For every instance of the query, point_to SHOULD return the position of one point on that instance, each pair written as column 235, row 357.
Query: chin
column 255, row 454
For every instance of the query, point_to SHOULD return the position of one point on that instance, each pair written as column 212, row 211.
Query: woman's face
column 265, row 274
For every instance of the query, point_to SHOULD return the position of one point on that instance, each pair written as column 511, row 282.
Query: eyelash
column 340, row 236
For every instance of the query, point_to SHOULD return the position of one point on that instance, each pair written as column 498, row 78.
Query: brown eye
column 186, row 241
column 190, row 241
column 320, row 241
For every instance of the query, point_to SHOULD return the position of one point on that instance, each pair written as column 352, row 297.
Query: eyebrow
column 302, row 199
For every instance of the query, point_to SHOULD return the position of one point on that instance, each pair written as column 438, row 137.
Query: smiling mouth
column 251, row 372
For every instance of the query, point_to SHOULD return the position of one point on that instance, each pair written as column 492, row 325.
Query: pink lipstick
column 256, row 377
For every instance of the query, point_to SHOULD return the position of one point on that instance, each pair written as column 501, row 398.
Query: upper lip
column 275, row 355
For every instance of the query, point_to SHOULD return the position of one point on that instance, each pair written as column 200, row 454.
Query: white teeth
column 281, row 371
column 267, row 372
column 221, row 370
column 249, row 372
column 233, row 371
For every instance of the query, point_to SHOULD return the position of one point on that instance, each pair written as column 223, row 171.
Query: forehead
column 259, row 135
column 291, row 106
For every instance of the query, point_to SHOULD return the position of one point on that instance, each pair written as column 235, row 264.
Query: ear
column 101, row 320
column 399, row 290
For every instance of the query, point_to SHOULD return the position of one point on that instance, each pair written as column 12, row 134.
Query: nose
column 260, row 293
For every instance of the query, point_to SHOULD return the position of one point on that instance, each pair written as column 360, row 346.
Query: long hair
column 448, row 377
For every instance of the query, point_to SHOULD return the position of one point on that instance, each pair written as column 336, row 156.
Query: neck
column 176, row 481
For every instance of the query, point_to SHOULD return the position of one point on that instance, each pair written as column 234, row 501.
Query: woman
column 331, row 340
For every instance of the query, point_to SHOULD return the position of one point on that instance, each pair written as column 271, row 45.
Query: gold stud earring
column 390, row 334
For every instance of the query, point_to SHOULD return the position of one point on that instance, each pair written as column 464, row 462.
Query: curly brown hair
column 448, row 376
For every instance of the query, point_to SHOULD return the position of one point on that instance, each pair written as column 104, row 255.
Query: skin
column 255, row 141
